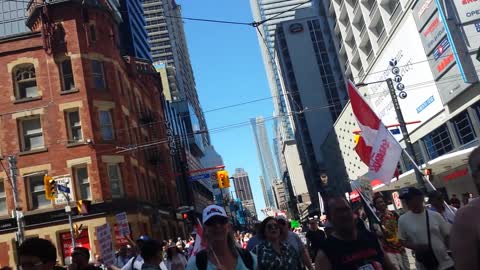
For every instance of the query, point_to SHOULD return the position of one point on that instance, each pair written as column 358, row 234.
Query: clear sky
column 228, row 70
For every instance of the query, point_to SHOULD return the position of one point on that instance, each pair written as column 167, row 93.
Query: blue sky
column 228, row 70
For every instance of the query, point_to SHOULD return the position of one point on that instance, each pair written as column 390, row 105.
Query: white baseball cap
column 212, row 211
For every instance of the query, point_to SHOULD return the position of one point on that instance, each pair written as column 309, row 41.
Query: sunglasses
column 216, row 220
column 272, row 227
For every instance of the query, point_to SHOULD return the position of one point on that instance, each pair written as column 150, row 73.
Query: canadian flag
column 199, row 241
column 376, row 146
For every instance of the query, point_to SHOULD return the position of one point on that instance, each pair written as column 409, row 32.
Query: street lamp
column 401, row 121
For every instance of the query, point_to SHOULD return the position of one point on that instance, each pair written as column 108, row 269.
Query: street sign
column 63, row 189
column 66, row 182
column 199, row 177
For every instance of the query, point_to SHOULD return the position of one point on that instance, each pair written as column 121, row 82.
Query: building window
column 464, row 128
column 36, row 192
column 93, row 33
column 82, row 182
column 31, row 134
column 3, row 198
column 74, row 126
column 67, row 75
column 106, row 126
column 25, row 82
column 438, row 142
column 98, row 74
column 115, row 178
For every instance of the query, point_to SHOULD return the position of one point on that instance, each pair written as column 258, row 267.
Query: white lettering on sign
column 424, row 7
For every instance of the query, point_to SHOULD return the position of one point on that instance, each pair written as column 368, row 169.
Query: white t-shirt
column 137, row 264
column 412, row 227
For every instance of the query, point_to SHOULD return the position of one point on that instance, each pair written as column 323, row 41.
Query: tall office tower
column 132, row 30
column 169, row 50
column 310, row 70
column 12, row 17
column 280, row 195
column 263, row 10
column 265, row 158
column 244, row 190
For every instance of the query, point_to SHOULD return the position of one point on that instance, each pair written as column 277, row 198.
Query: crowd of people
column 440, row 235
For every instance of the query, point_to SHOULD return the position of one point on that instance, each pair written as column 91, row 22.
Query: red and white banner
column 376, row 146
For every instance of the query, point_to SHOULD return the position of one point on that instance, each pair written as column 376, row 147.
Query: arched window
column 25, row 81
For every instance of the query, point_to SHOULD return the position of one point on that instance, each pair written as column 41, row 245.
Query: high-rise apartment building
column 12, row 17
column 169, row 50
column 132, row 29
column 244, row 190
column 265, row 158
column 280, row 195
column 435, row 55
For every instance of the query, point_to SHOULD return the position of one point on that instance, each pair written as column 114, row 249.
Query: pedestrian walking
column 137, row 261
column 315, row 238
column 454, row 201
column 294, row 240
column 80, row 260
column 255, row 239
column 122, row 257
column 437, row 204
column 389, row 234
column 273, row 253
column 465, row 236
column 425, row 232
column 37, row 254
column 151, row 252
column 349, row 248
column 175, row 258
column 222, row 252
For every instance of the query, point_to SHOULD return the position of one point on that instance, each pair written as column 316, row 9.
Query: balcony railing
column 381, row 38
column 396, row 13
column 370, row 57
column 361, row 73
column 363, row 31
column 374, row 9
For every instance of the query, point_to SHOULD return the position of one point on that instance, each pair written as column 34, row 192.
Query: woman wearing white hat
column 221, row 252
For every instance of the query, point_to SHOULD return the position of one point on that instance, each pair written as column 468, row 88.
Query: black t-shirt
column 362, row 253
column 315, row 238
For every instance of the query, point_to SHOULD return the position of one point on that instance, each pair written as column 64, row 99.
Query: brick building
column 73, row 108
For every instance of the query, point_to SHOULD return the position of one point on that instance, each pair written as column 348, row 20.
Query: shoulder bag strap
column 428, row 229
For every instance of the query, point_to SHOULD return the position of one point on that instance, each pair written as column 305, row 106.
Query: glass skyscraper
column 265, row 159
column 132, row 28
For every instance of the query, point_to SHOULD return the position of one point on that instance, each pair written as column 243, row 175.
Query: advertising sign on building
column 422, row 101
column 422, row 12
column 433, row 33
column 66, row 242
column 441, row 59
column 468, row 10
column 472, row 34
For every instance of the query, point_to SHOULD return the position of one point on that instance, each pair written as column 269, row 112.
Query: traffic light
column 185, row 216
column 222, row 179
column 50, row 187
column 83, row 206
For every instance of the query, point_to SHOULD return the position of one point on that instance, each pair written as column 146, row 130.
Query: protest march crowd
column 440, row 235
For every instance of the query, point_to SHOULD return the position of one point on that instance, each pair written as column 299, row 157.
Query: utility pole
column 406, row 136
column 12, row 164
column 68, row 210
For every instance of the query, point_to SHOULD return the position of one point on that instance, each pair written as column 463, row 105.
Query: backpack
column 202, row 259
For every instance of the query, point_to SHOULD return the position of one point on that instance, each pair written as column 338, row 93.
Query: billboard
column 433, row 33
column 423, row 100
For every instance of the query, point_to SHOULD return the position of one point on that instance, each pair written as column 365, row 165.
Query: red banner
column 119, row 239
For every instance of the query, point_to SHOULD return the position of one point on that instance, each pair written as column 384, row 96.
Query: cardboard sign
column 396, row 200
column 122, row 222
column 104, row 237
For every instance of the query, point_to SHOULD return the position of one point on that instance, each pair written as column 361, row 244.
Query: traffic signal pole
column 12, row 162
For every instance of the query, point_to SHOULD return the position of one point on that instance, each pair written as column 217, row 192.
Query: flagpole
column 360, row 192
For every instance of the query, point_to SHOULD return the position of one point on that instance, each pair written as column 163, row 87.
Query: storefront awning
column 439, row 165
